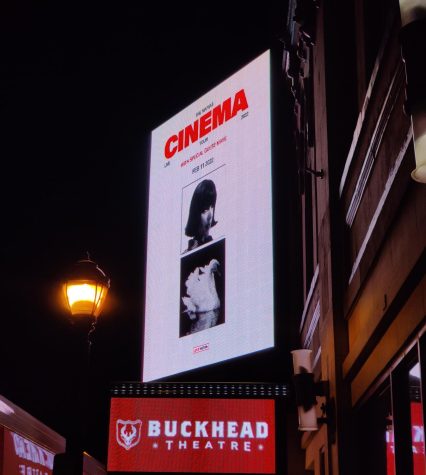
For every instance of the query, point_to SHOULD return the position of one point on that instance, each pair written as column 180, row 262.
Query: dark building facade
column 363, row 227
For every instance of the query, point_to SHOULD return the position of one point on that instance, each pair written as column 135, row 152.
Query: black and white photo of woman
column 201, row 214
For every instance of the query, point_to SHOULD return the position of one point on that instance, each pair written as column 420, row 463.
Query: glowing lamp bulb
column 86, row 289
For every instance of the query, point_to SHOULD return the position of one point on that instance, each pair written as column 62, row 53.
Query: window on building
column 374, row 434
column 408, row 416
column 389, row 426
column 416, row 419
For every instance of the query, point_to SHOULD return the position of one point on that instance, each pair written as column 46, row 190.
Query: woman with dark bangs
column 201, row 214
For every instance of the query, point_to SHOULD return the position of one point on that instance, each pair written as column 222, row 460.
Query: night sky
column 82, row 86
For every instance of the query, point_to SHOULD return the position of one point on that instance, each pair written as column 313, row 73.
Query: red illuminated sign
column 417, row 440
column 23, row 457
column 192, row 435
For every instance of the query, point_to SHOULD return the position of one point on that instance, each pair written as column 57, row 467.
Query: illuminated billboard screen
column 209, row 271
column 205, row 435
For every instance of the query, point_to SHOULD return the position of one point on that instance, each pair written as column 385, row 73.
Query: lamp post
column 85, row 288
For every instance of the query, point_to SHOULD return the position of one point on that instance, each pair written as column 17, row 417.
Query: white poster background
column 240, row 165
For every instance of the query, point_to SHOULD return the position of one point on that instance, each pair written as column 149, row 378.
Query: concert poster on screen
column 209, row 269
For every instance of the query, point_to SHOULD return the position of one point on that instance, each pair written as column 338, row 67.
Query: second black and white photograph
column 203, row 289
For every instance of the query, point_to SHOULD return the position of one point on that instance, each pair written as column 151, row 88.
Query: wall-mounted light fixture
column 306, row 392
column 413, row 45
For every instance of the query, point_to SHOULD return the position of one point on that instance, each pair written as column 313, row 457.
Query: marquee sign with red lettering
column 21, row 456
column 192, row 435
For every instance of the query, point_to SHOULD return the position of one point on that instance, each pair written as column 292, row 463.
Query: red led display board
column 185, row 435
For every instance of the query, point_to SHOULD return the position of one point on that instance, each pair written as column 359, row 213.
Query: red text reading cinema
column 206, row 123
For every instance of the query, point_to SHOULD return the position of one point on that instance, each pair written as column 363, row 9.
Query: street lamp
column 85, row 288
